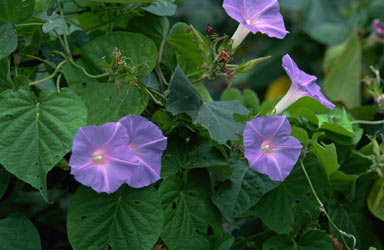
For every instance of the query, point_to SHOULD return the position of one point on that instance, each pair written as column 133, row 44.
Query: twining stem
column 58, row 83
column 28, row 24
column 160, row 75
column 64, row 26
column 79, row 66
column 322, row 208
column 368, row 122
column 51, row 75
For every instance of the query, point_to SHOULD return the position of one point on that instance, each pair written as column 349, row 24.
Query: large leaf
column 102, row 100
column 139, row 49
column 188, row 209
column 375, row 199
column 127, row 219
column 217, row 117
column 16, row 11
column 35, row 133
column 154, row 27
column 8, row 39
column 292, row 205
column 310, row 240
column 342, row 66
column 4, row 180
column 17, row 232
column 5, row 75
column 353, row 216
column 183, row 50
column 242, row 191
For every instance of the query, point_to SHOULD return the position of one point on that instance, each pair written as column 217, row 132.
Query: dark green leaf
column 242, row 191
column 17, row 232
column 139, row 49
column 310, row 240
column 102, row 100
column 188, row 209
column 152, row 26
column 217, row 117
column 291, row 206
column 127, row 219
column 353, row 216
column 16, row 11
column 195, row 242
column 5, row 75
column 35, row 133
column 8, row 39
column 4, row 180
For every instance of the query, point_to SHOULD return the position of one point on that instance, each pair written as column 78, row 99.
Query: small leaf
column 249, row 65
column 17, row 232
column 52, row 22
column 127, row 219
column 336, row 121
column 161, row 8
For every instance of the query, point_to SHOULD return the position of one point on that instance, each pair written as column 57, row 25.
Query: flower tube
column 255, row 16
column 302, row 84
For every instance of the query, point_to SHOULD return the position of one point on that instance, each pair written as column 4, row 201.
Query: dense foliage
column 67, row 66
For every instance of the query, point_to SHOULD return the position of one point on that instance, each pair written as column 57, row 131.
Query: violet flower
column 107, row 156
column 302, row 84
column 378, row 27
column 255, row 16
column 148, row 143
column 269, row 148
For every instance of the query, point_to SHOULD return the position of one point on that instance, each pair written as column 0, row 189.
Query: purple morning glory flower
column 107, row 156
column 148, row 143
column 302, row 84
column 269, row 148
column 255, row 16
column 378, row 27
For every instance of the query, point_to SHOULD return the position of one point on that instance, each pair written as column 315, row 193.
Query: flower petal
column 257, row 16
column 148, row 143
column 270, row 126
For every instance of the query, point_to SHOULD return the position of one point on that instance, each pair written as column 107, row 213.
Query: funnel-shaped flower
column 129, row 151
column 255, row 16
column 302, row 84
column 269, row 148
column 148, row 143
column 100, row 157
